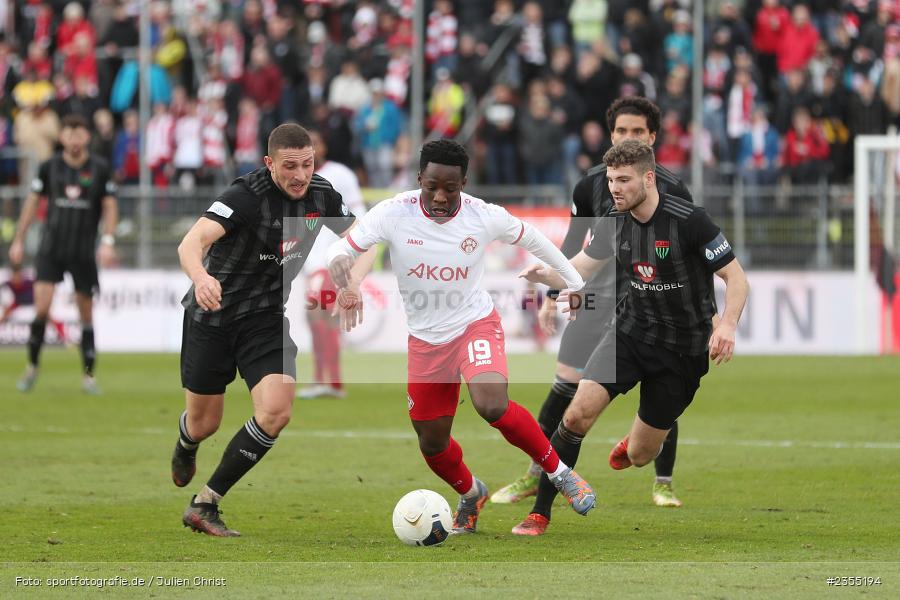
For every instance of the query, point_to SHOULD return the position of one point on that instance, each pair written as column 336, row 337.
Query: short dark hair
column 631, row 153
column 288, row 135
column 634, row 105
column 444, row 152
column 75, row 121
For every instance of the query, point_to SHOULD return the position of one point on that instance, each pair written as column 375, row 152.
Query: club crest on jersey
column 312, row 219
column 662, row 248
column 288, row 245
column 73, row 191
column 645, row 271
column 469, row 245
column 85, row 178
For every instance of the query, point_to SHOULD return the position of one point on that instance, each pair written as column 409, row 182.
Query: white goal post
column 865, row 193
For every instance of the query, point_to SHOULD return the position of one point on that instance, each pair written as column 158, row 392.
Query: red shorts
column 320, row 291
column 434, row 369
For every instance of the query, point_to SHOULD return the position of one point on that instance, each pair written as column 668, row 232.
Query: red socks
column 326, row 345
column 522, row 431
column 449, row 466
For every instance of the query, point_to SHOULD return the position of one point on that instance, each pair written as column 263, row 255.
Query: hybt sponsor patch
column 717, row 248
column 220, row 209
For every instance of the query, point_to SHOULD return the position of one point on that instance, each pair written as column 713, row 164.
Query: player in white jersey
column 437, row 237
column 320, row 293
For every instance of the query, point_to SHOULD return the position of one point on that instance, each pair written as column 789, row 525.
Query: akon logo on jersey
column 438, row 273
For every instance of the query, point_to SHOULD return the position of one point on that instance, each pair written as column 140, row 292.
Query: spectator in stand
column 469, row 72
column 73, row 25
column 873, row 33
column 441, row 36
column 445, row 105
column 675, row 97
column 679, row 45
column 36, row 126
column 253, row 25
column 739, row 106
column 246, row 146
column 364, row 25
column 772, row 22
column 38, row 62
column 284, row 51
column 81, row 60
column 555, row 18
column 540, row 140
column 758, row 160
column 214, row 118
column 730, row 19
column 104, row 138
column 798, row 44
column 499, row 135
column 188, row 139
column 126, row 162
column 567, row 110
column 396, row 80
column 159, row 148
column 805, row 149
column 320, row 51
column 121, row 33
column 597, row 80
column 338, row 133
column 348, row 91
column 378, row 124
column 562, row 64
column 263, row 83
column 227, row 47
column 587, row 19
column 793, row 94
column 640, row 37
column 831, row 108
column 673, row 151
column 594, row 145
column 83, row 101
column 532, row 46
column 636, row 81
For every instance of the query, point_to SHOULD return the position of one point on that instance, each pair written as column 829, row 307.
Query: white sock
column 664, row 480
column 208, row 496
column 473, row 491
column 562, row 467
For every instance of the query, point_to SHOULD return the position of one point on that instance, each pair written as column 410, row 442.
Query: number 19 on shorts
column 480, row 352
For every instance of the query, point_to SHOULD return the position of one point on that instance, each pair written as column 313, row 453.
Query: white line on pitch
column 375, row 434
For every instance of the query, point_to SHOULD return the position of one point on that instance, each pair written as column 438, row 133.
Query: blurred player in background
column 241, row 256
column 664, row 336
column 627, row 118
column 20, row 290
column 437, row 237
column 324, row 325
column 80, row 193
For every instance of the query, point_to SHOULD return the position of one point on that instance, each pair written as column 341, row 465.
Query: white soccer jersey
column 345, row 182
column 439, row 266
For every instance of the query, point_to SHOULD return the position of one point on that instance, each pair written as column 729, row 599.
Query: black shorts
column 668, row 379
column 581, row 336
column 84, row 272
column 257, row 345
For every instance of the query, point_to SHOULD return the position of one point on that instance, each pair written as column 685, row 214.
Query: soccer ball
column 422, row 518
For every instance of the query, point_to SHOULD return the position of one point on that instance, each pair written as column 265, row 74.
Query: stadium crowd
column 787, row 85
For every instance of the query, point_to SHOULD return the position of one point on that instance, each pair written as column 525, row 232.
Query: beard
column 638, row 199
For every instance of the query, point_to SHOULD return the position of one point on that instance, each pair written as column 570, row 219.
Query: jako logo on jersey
column 437, row 273
column 645, row 271
column 662, row 249
column 468, row 245
column 415, row 242
column 311, row 220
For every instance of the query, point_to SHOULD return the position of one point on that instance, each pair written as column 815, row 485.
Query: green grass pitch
column 789, row 469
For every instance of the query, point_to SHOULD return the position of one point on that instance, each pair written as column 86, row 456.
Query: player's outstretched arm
column 17, row 247
column 207, row 289
column 583, row 264
column 737, row 288
column 536, row 243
